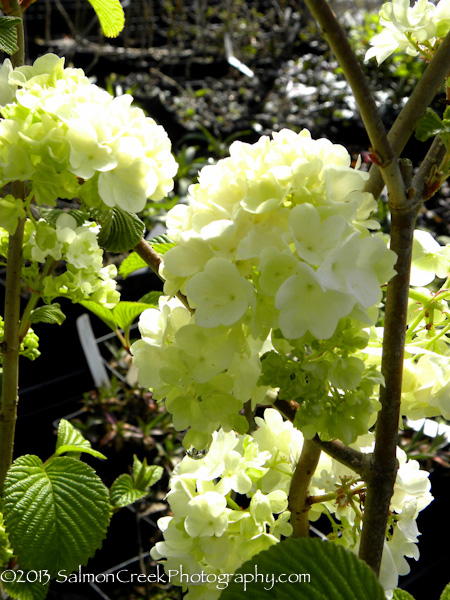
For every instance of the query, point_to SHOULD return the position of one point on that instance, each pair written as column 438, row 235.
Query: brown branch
column 298, row 491
column 153, row 260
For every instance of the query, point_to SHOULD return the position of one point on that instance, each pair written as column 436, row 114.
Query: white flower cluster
column 59, row 130
column 85, row 276
column 210, row 533
column 414, row 29
column 275, row 237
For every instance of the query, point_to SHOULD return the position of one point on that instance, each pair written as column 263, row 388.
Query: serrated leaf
column 144, row 475
column 334, row 572
column 133, row 262
column 430, row 125
column 151, row 298
column 120, row 230
column 446, row 593
column 103, row 313
column 26, row 590
column 8, row 34
column 111, row 16
column 50, row 313
column 56, row 514
column 401, row 595
column 126, row 312
column 123, row 492
column 71, row 440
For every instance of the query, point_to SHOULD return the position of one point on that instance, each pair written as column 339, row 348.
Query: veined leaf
column 103, row 313
column 120, row 230
column 320, row 570
column 163, row 248
column 133, row 262
column 56, row 514
column 125, row 490
column 71, row 440
column 111, row 16
column 26, row 590
column 50, row 313
column 151, row 298
column 144, row 475
column 430, row 125
column 8, row 34
column 126, row 312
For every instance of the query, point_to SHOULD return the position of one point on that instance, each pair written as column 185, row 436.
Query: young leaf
column 145, row 476
column 163, row 248
column 71, row 440
column 445, row 594
column 8, row 34
column 50, row 313
column 103, row 313
column 26, row 590
column 120, row 230
column 56, row 514
column 133, row 262
column 111, row 16
column 430, row 125
column 126, row 312
column 334, row 572
column 401, row 595
column 126, row 490
column 151, row 298
column 123, row 492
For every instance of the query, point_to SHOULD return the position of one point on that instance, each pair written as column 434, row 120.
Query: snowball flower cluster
column 72, row 139
column 209, row 533
column 274, row 238
column 413, row 29
column 85, row 276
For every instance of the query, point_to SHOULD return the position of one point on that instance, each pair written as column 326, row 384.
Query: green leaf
column 446, row 593
column 430, row 125
column 151, row 298
column 27, row 590
column 144, row 475
column 56, row 514
column 126, row 312
column 120, row 230
column 50, row 313
column 69, row 448
column 8, row 34
column 161, row 243
column 111, row 16
column 163, row 248
column 51, row 215
column 125, row 490
column 133, row 262
column 402, row 595
column 103, row 313
column 333, row 571
column 71, row 440
column 124, row 493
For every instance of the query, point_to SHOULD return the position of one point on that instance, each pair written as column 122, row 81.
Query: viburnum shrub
column 291, row 338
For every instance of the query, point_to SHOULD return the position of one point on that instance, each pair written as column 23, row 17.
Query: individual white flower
column 429, row 259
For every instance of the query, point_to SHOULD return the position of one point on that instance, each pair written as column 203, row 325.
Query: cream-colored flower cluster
column 61, row 131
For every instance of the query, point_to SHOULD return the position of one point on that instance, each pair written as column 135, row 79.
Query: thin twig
column 153, row 260
column 425, row 90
